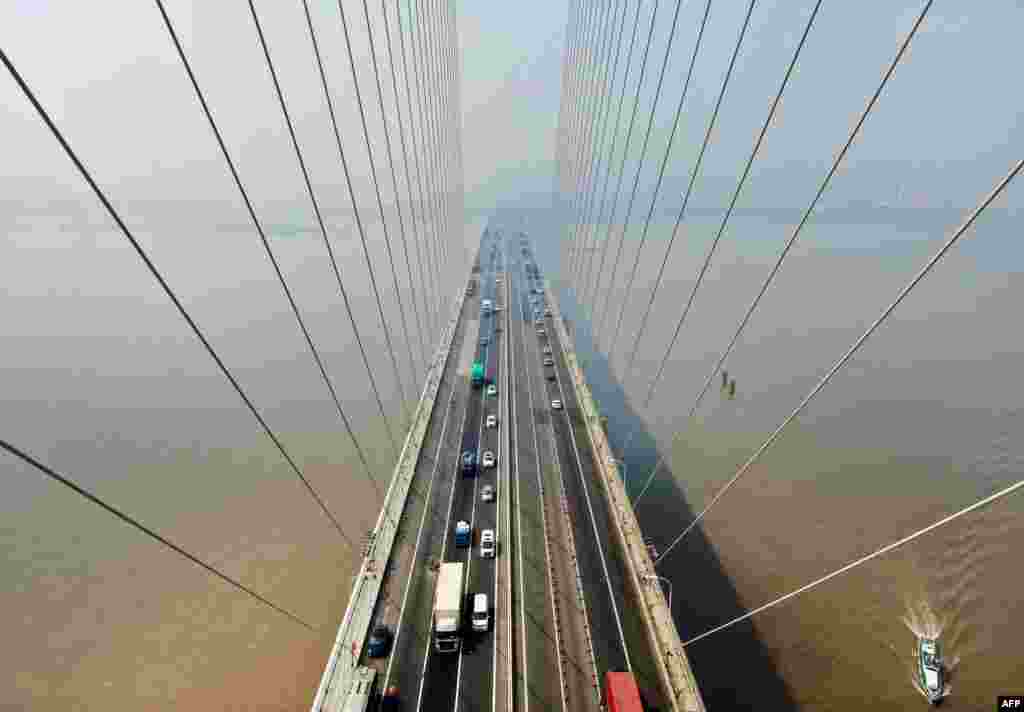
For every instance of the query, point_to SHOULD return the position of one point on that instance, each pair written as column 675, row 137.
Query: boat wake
column 924, row 622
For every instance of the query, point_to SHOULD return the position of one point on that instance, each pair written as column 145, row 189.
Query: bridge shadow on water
column 734, row 668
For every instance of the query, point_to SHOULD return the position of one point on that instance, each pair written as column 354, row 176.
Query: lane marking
column 444, row 550
column 419, row 535
column 586, row 492
column 547, row 551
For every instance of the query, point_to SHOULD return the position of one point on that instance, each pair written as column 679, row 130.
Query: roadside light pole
column 653, row 577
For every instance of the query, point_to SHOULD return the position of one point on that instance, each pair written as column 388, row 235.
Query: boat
column 930, row 672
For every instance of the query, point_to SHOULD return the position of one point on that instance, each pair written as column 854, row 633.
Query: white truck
column 448, row 608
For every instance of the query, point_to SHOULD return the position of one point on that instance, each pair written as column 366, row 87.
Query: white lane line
column 472, row 513
column 502, row 532
column 586, row 493
column 444, row 547
column 514, row 418
column 419, row 535
column 544, row 524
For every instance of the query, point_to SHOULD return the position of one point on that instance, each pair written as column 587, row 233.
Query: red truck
column 621, row 693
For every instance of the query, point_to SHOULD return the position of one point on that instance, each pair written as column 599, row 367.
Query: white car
column 492, row 390
column 487, row 544
column 488, row 459
column 481, row 614
column 487, row 493
column 541, row 332
column 492, row 421
column 556, row 404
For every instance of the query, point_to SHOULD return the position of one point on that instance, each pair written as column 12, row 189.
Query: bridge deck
column 565, row 607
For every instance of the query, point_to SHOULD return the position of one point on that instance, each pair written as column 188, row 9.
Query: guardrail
column 355, row 624
column 677, row 677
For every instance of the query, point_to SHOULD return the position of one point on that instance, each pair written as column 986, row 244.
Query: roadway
column 567, row 581
column 559, row 668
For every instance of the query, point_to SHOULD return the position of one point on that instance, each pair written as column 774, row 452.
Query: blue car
column 468, row 461
column 379, row 642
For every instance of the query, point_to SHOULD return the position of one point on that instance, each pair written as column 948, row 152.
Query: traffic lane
column 477, row 677
column 541, row 671
column 608, row 640
column 417, row 626
column 579, row 668
column 440, row 680
column 402, row 564
column 608, row 650
column 413, row 633
column 633, row 624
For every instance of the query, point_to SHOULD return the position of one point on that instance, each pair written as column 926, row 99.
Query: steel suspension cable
column 398, row 201
column 643, row 237
column 851, row 351
column 689, row 191
column 618, row 185
column 380, row 204
column 460, row 149
column 572, row 138
column 424, row 284
column 436, row 174
column 151, row 533
column 432, row 44
column 426, row 137
column 561, row 135
column 588, row 295
column 864, row 559
column 266, row 246
column 796, row 232
column 589, row 230
column 732, row 205
column 643, row 150
column 151, row 266
column 590, row 92
column 429, row 226
column 597, row 93
column 556, row 186
column 316, row 210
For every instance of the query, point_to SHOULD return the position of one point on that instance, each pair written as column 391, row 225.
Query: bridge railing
column 677, row 677
column 352, row 632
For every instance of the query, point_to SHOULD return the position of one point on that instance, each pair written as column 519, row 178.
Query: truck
column 477, row 374
column 448, row 608
column 621, row 693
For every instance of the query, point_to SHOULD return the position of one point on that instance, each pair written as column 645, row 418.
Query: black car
column 379, row 642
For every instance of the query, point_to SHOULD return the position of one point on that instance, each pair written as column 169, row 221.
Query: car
column 539, row 322
column 547, row 349
column 541, row 332
column 547, row 312
column 487, row 494
column 379, row 642
column 551, row 375
column 492, row 390
column 468, row 460
column 488, row 459
column 481, row 614
column 556, row 404
column 548, row 361
column 484, row 340
column 389, row 701
column 492, row 421
column 487, row 545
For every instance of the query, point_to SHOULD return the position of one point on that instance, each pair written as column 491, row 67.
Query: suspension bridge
column 575, row 590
